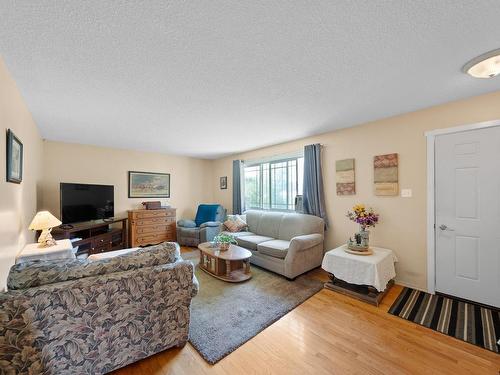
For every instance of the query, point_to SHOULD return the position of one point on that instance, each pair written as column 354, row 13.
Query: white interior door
column 467, row 182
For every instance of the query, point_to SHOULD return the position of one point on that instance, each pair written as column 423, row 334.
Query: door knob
column 444, row 227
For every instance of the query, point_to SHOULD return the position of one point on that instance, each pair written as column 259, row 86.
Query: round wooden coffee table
column 232, row 265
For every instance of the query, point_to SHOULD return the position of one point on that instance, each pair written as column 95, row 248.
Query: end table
column 31, row 251
column 365, row 277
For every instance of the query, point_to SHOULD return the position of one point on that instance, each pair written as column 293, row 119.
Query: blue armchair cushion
column 210, row 224
column 184, row 223
column 206, row 212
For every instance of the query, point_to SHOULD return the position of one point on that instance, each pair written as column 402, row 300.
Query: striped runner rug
column 469, row 322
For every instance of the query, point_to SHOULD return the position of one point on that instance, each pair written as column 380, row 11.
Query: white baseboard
column 409, row 285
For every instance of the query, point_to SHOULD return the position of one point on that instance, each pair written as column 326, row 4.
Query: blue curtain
column 314, row 197
column 237, row 203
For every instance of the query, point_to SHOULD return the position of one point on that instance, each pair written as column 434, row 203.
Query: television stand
column 96, row 236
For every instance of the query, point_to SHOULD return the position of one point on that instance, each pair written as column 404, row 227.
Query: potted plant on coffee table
column 223, row 241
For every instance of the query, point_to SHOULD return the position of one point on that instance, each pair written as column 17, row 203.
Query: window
column 273, row 185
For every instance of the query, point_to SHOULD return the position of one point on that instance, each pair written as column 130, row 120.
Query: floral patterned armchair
column 91, row 317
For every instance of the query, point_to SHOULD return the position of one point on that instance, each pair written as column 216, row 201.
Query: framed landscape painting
column 14, row 158
column 148, row 185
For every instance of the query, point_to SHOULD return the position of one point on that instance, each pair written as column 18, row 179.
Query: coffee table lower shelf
column 235, row 276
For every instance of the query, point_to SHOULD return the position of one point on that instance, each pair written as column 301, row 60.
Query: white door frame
column 431, row 208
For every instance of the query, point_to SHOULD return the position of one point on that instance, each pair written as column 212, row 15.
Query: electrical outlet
column 406, row 193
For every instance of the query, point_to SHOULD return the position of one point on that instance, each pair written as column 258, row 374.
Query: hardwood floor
column 334, row 334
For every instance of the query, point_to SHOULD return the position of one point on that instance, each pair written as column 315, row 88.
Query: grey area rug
column 469, row 322
column 226, row 315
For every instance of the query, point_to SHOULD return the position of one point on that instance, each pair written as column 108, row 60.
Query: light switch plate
column 406, row 193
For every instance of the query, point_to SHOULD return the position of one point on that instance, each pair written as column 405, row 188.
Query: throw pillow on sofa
column 235, row 223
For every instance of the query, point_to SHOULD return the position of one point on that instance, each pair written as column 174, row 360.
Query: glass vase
column 365, row 236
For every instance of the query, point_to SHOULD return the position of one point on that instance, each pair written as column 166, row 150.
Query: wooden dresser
column 150, row 227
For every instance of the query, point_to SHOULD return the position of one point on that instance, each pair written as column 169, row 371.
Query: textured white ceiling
column 210, row 78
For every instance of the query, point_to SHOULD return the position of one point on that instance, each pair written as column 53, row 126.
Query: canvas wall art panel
column 385, row 175
column 345, row 177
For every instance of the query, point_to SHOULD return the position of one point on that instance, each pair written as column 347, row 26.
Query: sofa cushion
column 184, row 223
column 251, row 242
column 36, row 273
column 239, row 234
column 269, row 224
column 293, row 225
column 188, row 232
column 252, row 219
column 210, row 224
column 274, row 248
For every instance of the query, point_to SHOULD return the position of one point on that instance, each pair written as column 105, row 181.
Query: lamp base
column 46, row 239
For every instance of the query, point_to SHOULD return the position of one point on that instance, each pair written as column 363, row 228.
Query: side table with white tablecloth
column 350, row 273
column 62, row 250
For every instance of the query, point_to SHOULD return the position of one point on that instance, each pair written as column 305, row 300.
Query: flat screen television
column 84, row 202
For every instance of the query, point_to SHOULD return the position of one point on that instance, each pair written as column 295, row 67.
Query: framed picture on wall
column 14, row 158
column 223, row 182
column 148, row 185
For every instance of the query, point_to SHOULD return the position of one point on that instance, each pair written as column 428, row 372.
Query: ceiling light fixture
column 485, row 66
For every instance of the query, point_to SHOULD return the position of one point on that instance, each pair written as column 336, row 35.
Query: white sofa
column 286, row 243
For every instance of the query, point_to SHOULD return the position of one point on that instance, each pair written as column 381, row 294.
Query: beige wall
column 67, row 162
column 194, row 181
column 403, row 220
column 18, row 202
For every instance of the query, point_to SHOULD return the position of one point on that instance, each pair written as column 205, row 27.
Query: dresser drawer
column 153, row 229
column 101, row 249
column 170, row 213
column 100, row 241
column 152, row 239
column 146, row 214
column 101, row 244
column 151, row 221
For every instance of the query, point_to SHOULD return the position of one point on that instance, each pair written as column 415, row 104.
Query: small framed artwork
column 148, row 185
column 14, row 158
column 223, row 182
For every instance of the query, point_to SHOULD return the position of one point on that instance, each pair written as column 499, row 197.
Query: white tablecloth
column 375, row 270
column 62, row 250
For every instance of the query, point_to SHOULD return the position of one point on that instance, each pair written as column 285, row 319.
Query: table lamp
column 45, row 221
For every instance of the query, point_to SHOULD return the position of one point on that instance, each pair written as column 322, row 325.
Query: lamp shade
column 44, row 220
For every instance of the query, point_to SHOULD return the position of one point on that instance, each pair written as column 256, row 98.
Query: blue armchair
column 203, row 228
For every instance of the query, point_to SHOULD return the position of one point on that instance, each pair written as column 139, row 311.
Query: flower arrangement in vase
column 366, row 218
column 223, row 241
